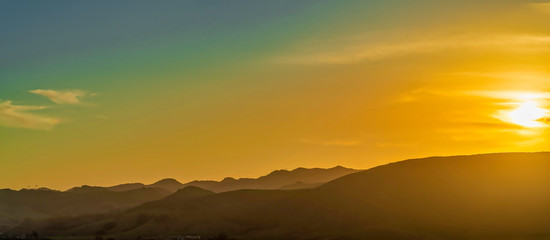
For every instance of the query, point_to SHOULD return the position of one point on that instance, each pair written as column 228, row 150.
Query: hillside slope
column 492, row 196
column 15, row 206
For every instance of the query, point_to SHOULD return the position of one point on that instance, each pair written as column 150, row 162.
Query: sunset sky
column 106, row 92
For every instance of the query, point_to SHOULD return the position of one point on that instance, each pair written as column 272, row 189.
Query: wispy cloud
column 511, row 85
column 22, row 116
column 532, row 77
column 19, row 116
column 508, row 95
column 63, row 97
column 420, row 93
column 360, row 51
column 511, row 95
column 331, row 142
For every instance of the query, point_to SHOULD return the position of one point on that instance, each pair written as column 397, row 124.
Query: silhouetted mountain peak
column 87, row 189
column 167, row 181
column 229, row 179
column 278, row 172
column 36, row 190
column 169, row 184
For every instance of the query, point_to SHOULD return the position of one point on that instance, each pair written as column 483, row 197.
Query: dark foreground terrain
column 16, row 206
column 492, row 196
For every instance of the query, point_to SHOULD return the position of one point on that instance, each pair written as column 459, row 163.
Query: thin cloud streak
column 62, row 97
column 378, row 51
column 19, row 116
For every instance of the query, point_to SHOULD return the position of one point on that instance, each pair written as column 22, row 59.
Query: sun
column 527, row 114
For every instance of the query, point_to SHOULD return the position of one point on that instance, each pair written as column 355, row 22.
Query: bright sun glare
column 528, row 114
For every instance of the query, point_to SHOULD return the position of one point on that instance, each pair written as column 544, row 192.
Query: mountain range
column 16, row 206
column 490, row 196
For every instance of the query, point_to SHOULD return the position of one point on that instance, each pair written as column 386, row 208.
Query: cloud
column 527, row 85
column 360, row 51
column 511, row 95
column 423, row 94
column 537, row 78
column 419, row 93
column 18, row 116
column 331, row 143
column 63, row 97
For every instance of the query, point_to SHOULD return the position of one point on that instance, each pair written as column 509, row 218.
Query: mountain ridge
column 488, row 196
column 309, row 175
column 96, row 199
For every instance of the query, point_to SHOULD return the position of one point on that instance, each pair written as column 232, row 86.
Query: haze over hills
column 490, row 196
column 279, row 179
column 295, row 179
column 15, row 206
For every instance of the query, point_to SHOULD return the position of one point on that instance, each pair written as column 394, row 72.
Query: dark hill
column 492, row 196
column 15, row 206
column 43, row 203
column 169, row 184
column 187, row 193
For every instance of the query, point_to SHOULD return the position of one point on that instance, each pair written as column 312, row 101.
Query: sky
column 107, row 92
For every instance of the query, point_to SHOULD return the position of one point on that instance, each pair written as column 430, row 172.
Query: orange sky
column 230, row 90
